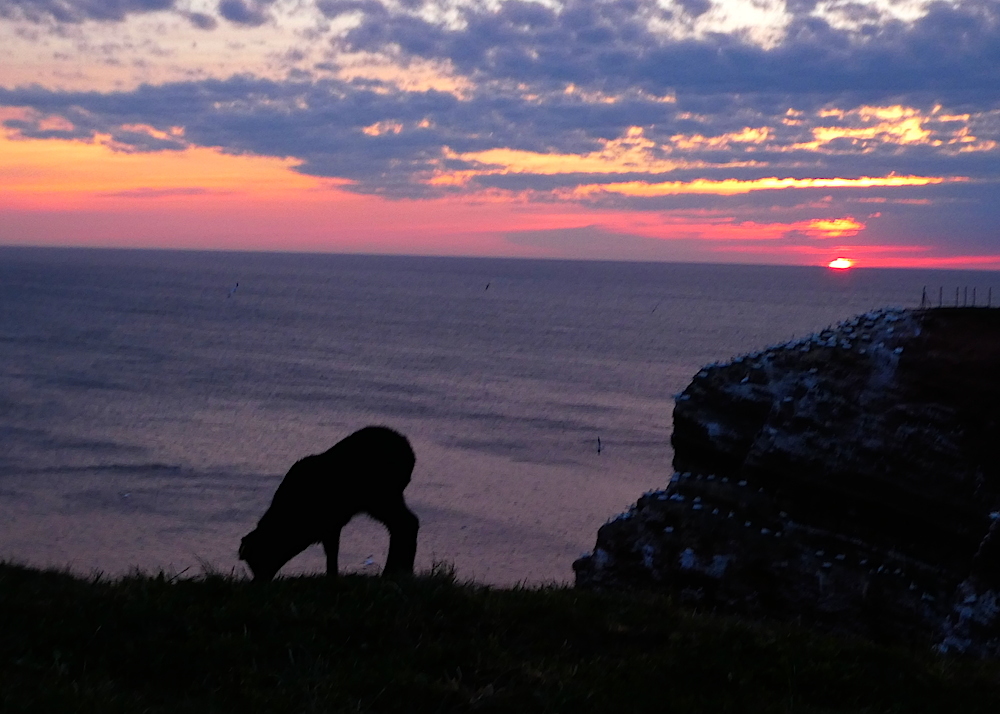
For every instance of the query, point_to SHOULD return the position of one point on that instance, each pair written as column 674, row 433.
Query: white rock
column 718, row 567
column 602, row 558
column 688, row 560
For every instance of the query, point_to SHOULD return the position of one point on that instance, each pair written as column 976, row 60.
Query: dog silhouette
column 364, row 473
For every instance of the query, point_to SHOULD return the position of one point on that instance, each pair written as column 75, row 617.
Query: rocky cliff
column 850, row 479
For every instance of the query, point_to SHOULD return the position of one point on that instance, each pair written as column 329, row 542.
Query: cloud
column 201, row 20
column 952, row 49
column 771, row 183
column 695, row 8
column 244, row 12
column 620, row 103
column 75, row 11
column 105, row 11
column 417, row 143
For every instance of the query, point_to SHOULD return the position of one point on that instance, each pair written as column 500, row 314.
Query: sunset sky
column 747, row 131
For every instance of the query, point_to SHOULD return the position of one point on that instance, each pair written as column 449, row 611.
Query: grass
column 430, row 644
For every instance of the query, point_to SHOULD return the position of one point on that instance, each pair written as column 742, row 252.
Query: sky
column 739, row 131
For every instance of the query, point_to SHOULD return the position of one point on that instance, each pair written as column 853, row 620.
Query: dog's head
column 261, row 554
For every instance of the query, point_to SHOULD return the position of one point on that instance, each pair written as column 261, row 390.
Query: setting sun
column 841, row 263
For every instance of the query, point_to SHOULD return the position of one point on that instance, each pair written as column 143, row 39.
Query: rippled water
column 147, row 414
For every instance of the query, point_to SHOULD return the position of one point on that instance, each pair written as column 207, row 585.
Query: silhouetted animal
column 364, row 473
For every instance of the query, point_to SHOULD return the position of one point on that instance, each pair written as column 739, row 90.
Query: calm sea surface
column 147, row 413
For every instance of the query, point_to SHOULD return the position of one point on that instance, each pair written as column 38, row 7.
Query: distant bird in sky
column 487, row 287
column 654, row 308
column 232, row 290
column 598, row 446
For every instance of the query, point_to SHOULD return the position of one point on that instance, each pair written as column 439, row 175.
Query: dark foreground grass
column 218, row 644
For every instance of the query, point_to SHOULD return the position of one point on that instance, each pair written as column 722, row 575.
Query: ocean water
column 148, row 411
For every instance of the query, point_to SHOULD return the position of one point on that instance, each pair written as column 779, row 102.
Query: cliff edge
column 850, row 479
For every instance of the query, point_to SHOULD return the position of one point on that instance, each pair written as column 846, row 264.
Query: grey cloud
column 695, row 8
column 966, row 216
column 33, row 130
column 243, row 12
column 73, row 11
column 201, row 20
column 333, row 8
column 609, row 45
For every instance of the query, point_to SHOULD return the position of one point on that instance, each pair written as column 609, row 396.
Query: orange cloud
column 748, row 135
column 729, row 187
column 631, row 153
column 867, row 127
column 383, row 127
column 833, row 227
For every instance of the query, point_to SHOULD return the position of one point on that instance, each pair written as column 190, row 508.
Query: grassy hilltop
column 219, row 644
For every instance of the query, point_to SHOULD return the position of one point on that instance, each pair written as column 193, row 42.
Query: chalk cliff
column 850, row 479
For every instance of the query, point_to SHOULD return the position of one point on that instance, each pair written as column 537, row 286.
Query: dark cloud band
column 612, row 45
column 73, row 11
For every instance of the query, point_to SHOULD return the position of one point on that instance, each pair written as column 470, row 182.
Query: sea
column 151, row 401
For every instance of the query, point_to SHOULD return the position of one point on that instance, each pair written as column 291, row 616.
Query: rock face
column 850, row 479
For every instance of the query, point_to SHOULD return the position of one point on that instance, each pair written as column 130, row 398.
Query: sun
column 841, row 264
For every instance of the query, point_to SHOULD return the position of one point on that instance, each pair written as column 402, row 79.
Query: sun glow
column 841, row 263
